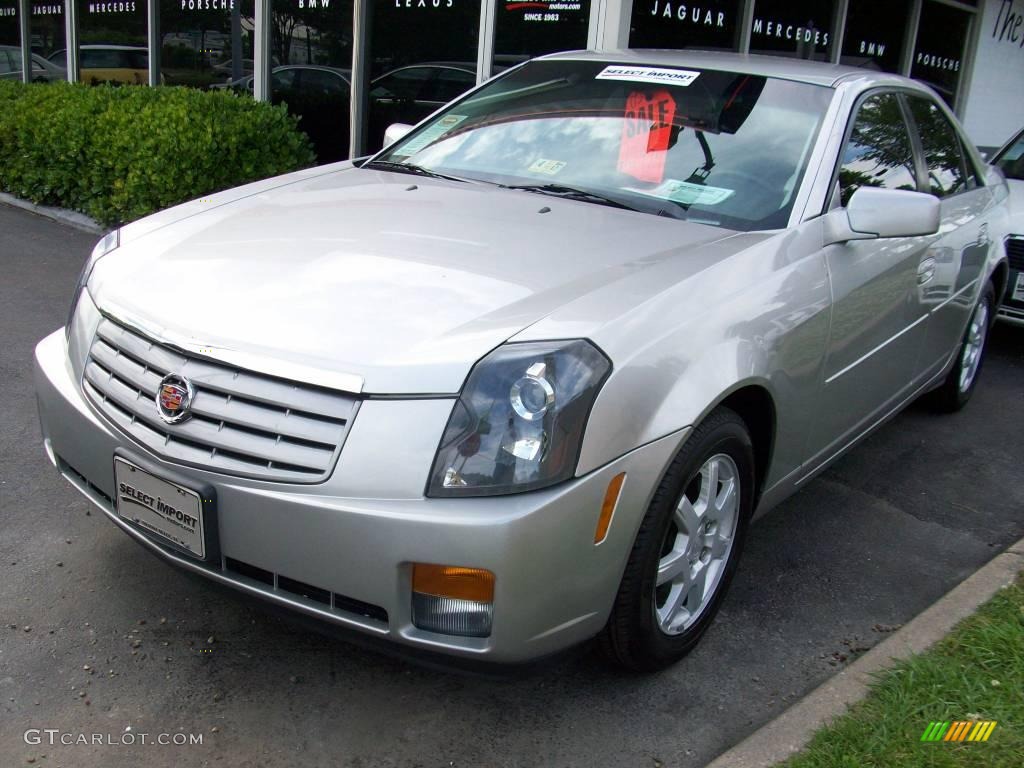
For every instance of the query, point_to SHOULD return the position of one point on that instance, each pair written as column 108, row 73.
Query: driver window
column 878, row 152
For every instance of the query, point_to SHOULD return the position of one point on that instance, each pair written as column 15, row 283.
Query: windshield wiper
column 571, row 193
column 417, row 170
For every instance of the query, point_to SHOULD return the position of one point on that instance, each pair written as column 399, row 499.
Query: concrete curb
column 64, row 216
column 792, row 730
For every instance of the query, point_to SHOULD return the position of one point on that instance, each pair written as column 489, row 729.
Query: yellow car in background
column 121, row 64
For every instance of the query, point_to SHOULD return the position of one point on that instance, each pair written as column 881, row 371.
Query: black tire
column 632, row 637
column 950, row 396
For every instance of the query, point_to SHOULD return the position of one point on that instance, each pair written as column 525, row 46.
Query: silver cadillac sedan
column 524, row 377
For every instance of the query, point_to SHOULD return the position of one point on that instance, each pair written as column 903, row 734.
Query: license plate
column 1018, row 288
column 173, row 513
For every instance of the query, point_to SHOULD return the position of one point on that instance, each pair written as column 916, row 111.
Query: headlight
column 109, row 242
column 519, row 421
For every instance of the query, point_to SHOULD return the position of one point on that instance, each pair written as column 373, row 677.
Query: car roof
column 321, row 67
column 143, row 49
column 781, row 67
column 464, row 66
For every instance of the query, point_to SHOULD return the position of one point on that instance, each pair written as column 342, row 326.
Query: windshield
column 1011, row 159
column 717, row 147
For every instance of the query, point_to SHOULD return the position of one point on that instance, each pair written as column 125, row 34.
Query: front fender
column 757, row 315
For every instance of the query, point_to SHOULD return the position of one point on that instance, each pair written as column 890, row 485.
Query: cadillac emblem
column 174, row 398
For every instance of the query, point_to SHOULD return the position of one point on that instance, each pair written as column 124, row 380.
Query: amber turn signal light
column 456, row 582
column 611, row 498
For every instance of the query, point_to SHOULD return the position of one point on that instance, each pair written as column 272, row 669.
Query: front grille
column 242, row 423
column 1015, row 252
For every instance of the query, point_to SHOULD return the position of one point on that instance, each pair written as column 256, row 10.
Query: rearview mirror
column 395, row 131
column 874, row 212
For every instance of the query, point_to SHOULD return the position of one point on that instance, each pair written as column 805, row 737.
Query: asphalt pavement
column 100, row 639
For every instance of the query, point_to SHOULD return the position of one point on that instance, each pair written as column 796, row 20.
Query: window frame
column 833, row 200
column 1016, row 139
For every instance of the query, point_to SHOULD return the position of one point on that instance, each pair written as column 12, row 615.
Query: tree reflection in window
column 878, row 153
column 942, row 152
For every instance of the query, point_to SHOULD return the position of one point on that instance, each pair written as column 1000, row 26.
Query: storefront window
column 422, row 54
column 798, row 28
column 671, row 24
column 207, row 43
column 526, row 29
column 311, row 47
column 46, row 29
column 112, row 42
column 10, row 51
column 870, row 44
column 938, row 54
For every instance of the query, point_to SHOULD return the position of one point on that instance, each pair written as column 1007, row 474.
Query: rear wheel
column 687, row 548
column 959, row 385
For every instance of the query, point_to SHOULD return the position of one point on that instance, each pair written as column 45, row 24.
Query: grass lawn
column 977, row 672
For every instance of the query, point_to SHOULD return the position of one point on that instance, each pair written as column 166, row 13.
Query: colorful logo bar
column 959, row 730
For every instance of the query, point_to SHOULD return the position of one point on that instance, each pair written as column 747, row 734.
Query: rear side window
column 322, row 82
column 449, row 84
column 878, row 152
column 404, row 84
column 5, row 63
column 947, row 171
column 1011, row 159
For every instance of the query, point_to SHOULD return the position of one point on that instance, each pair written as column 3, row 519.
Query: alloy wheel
column 697, row 545
column 974, row 345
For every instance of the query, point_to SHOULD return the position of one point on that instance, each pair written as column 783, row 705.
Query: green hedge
column 119, row 153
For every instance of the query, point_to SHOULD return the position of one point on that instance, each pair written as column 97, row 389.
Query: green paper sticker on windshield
column 547, row 167
column 688, row 193
column 430, row 135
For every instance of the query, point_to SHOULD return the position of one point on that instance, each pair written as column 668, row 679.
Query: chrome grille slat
column 230, row 381
column 1015, row 252
column 262, row 427
column 218, row 407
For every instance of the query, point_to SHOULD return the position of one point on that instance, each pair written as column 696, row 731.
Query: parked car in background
column 247, row 67
column 525, row 377
column 42, row 70
column 318, row 96
column 1010, row 159
column 408, row 94
column 119, row 64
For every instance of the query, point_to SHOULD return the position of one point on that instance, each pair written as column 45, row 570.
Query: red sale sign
column 646, row 132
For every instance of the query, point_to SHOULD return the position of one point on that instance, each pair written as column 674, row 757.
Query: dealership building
column 349, row 66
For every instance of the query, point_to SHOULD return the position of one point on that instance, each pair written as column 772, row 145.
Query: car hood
column 373, row 281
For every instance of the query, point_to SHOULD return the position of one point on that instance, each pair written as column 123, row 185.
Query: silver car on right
column 1010, row 160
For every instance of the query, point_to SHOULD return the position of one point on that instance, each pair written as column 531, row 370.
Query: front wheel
column 686, row 549
column 959, row 384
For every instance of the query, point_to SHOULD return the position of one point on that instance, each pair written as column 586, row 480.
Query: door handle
column 926, row 270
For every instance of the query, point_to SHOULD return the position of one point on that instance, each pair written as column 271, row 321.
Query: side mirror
column 875, row 213
column 395, row 131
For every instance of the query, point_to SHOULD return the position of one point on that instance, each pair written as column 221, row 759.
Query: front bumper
column 355, row 537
